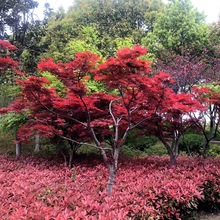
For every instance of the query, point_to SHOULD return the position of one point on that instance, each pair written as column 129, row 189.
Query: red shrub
column 34, row 189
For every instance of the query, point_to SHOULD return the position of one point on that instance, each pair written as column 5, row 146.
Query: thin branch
column 110, row 111
column 56, row 113
column 89, row 124
column 81, row 143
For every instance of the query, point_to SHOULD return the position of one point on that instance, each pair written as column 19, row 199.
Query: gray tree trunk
column 37, row 143
column 18, row 147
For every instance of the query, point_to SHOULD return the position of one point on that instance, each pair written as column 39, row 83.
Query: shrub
column 147, row 188
column 7, row 143
column 191, row 143
column 138, row 141
column 214, row 150
column 157, row 149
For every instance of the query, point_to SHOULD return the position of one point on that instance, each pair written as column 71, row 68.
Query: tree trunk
column 113, row 170
column 111, row 179
column 72, row 153
column 171, row 152
column 37, row 143
column 205, row 149
column 65, row 158
column 173, row 159
column 18, row 147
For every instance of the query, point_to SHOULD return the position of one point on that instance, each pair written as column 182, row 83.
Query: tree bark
column 37, row 143
column 18, row 147
column 111, row 179
column 171, row 152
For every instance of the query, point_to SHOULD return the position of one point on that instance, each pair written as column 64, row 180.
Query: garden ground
column 34, row 188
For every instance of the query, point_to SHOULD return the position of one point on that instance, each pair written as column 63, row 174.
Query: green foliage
column 32, row 48
column 47, row 149
column 130, row 153
column 191, row 143
column 157, row 149
column 94, row 86
column 7, row 94
column 88, row 151
column 65, row 50
column 140, row 141
column 99, row 26
column 214, row 37
column 76, row 45
column 215, row 87
column 123, row 42
column 54, row 83
column 180, row 26
column 12, row 121
column 6, row 143
column 214, row 150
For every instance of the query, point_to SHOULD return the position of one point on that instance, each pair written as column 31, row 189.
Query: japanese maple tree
column 80, row 116
column 6, row 62
column 98, row 116
column 209, row 96
column 171, row 119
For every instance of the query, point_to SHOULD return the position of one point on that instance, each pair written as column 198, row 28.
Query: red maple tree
column 209, row 96
column 134, row 98
column 6, row 62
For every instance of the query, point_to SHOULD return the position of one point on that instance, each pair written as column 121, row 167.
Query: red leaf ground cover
column 147, row 188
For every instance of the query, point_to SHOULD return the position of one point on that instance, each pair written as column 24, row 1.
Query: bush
column 214, row 150
column 7, row 143
column 146, row 188
column 191, row 143
column 157, row 149
column 139, row 141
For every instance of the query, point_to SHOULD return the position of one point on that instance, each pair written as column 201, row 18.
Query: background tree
column 179, row 26
column 16, row 16
column 186, row 70
column 110, row 20
column 214, row 36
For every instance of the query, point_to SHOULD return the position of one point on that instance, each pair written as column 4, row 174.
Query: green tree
column 214, row 37
column 179, row 26
column 24, row 30
column 107, row 19
column 16, row 14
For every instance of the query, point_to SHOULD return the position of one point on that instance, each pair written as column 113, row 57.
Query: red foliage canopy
column 138, row 98
column 7, row 62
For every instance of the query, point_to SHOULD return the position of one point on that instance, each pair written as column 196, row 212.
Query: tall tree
column 110, row 19
column 215, row 38
column 15, row 15
column 180, row 26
